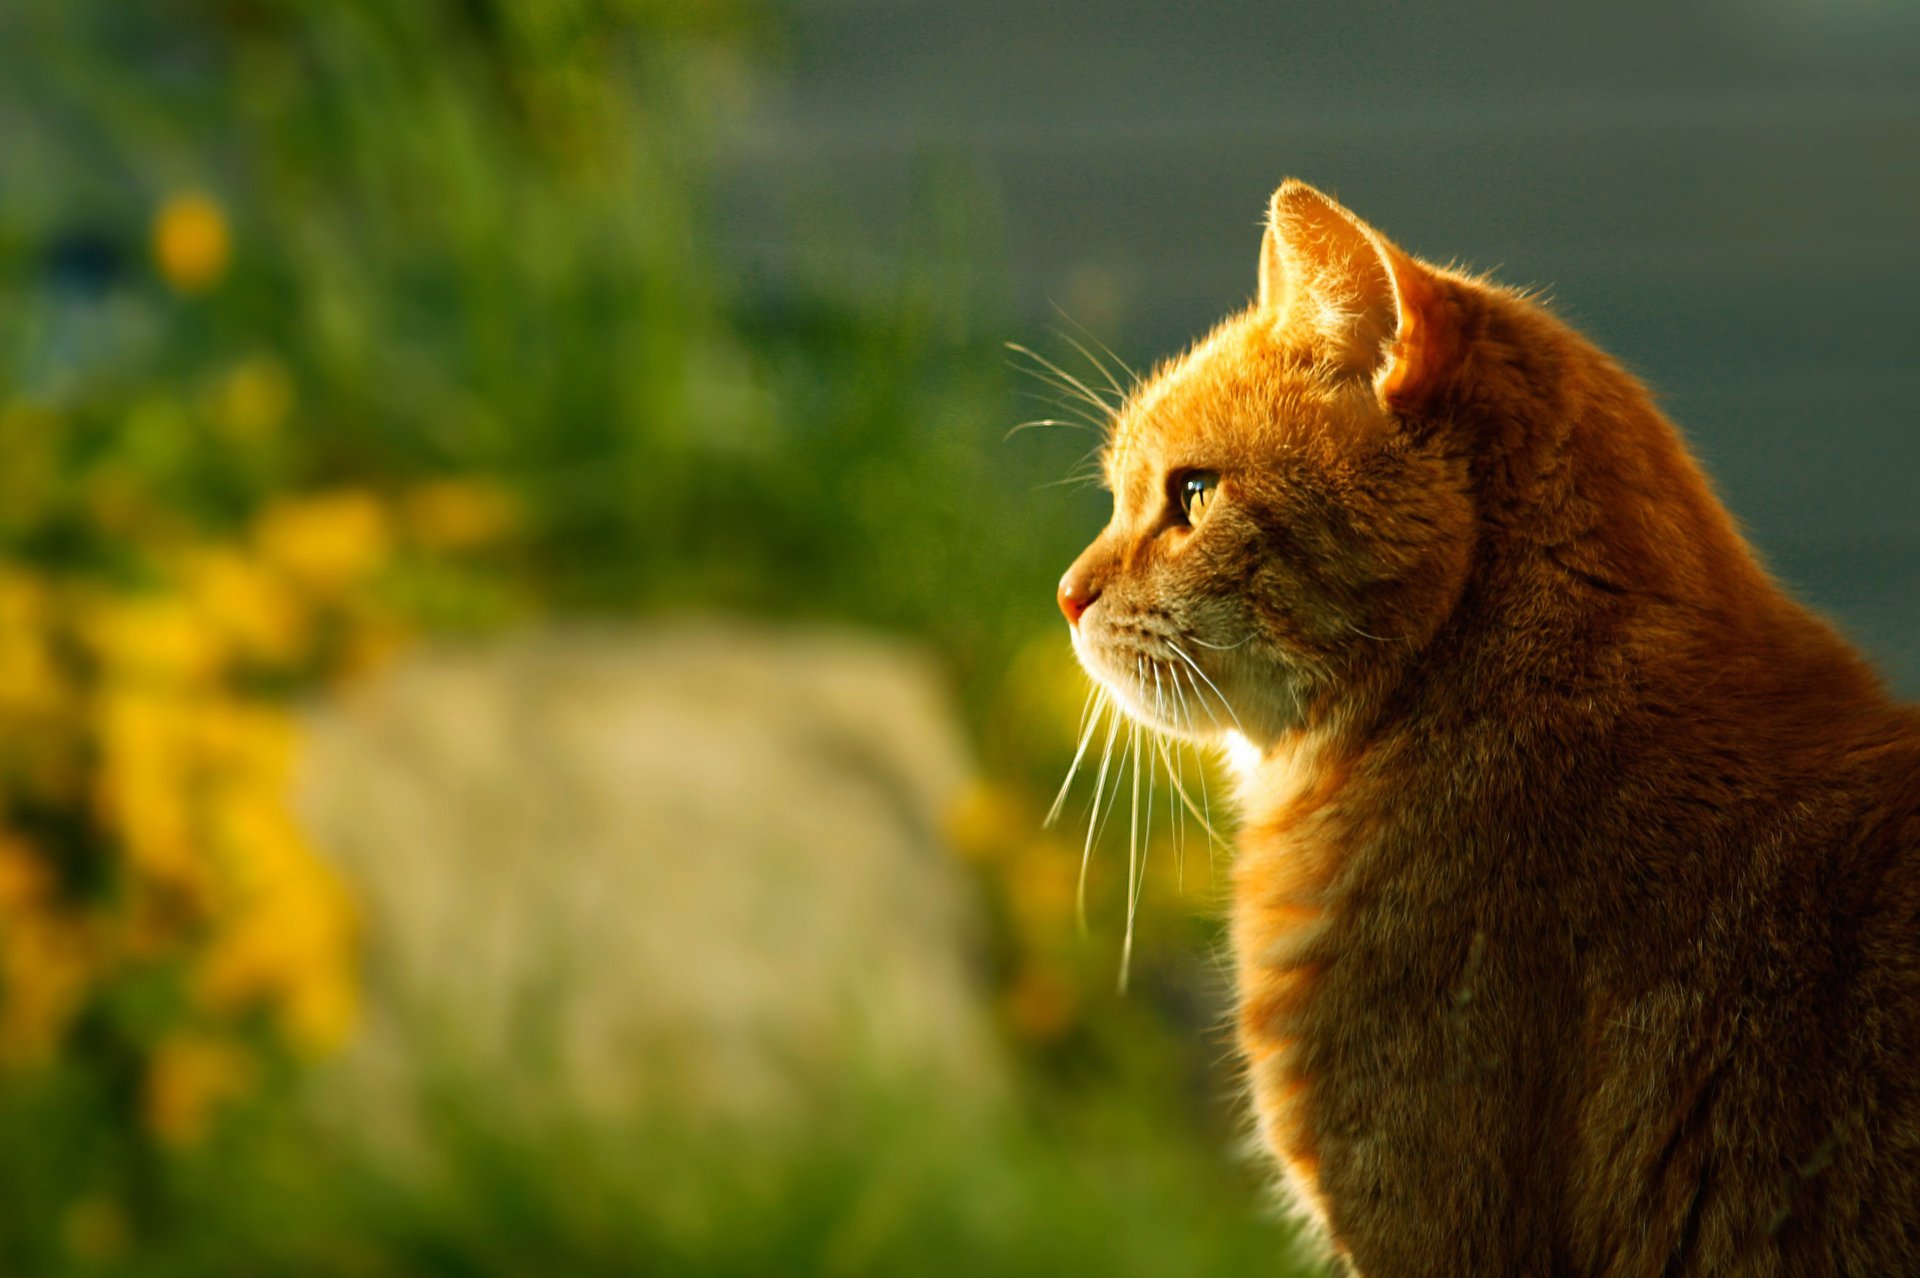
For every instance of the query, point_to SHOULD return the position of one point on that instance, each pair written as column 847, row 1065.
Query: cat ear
column 1326, row 273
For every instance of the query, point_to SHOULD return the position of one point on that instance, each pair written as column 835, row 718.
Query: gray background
column 1727, row 197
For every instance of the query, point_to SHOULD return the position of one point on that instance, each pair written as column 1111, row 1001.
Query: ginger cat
column 1577, row 909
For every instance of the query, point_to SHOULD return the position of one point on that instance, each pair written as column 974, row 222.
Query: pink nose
column 1077, row 593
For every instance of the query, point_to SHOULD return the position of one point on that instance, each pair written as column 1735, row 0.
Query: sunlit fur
column 1577, row 911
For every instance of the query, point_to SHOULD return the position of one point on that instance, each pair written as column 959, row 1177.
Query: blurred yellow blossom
column 145, row 789
column 152, row 639
column 460, row 514
column 282, row 944
column 190, row 241
column 326, row 543
column 29, row 679
column 23, row 875
column 986, row 820
column 189, row 1076
column 1042, row 890
column 159, row 712
column 247, row 606
column 44, row 969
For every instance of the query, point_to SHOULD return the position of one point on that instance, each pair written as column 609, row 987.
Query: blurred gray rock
column 697, row 866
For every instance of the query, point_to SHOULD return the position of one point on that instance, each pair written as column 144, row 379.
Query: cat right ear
column 1372, row 308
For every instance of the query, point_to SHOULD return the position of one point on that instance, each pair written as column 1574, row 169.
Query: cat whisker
column 1168, row 707
column 1168, row 693
column 1176, row 811
column 1376, row 638
column 1215, row 842
column 1223, row 647
column 1034, row 422
column 1067, row 397
column 1179, row 788
column 1071, row 382
column 1158, row 739
column 1093, row 359
column 1175, row 826
column 1067, row 403
column 1089, row 724
column 1182, row 654
column 1051, row 372
column 1071, row 481
column 1086, row 470
column 1133, row 866
column 1095, row 821
column 1133, row 375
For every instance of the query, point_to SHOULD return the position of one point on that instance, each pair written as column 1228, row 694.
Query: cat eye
column 1194, row 490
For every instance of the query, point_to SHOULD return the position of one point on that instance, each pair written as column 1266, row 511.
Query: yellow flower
column 1042, row 890
column 44, row 969
column 247, row 745
column 985, row 820
column 320, row 1013
column 286, row 945
column 190, row 241
column 137, row 707
column 145, row 789
column 286, row 940
column 23, row 875
column 189, row 1076
column 23, row 600
column 152, row 640
column 30, row 680
column 247, row 606
column 327, row 543
column 460, row 514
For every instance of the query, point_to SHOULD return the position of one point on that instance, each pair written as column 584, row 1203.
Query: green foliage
column 255, row 254
column 878, row 1185
column 472, row 237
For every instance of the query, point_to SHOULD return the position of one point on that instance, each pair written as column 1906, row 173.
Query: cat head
column 1288, row 529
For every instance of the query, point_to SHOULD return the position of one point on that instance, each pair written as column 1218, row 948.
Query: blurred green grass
column 878, row 1183
column 472, row 236
column 468, row 239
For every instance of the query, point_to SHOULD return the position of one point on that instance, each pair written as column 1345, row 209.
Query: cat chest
column 1379, row 1036
column 1280, row 930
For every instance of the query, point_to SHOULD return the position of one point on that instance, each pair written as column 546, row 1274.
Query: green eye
column 1195, row 490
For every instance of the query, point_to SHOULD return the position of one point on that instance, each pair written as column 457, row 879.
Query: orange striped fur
column 1577, row 909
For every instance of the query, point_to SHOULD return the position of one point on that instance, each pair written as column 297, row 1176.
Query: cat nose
column 1078, row 590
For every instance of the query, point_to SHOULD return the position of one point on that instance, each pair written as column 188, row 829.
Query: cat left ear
column 1326, row 274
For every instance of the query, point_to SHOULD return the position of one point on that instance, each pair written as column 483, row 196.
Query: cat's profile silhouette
column 1577, row 907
